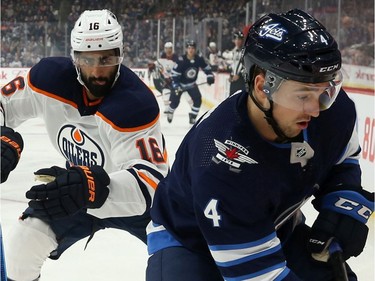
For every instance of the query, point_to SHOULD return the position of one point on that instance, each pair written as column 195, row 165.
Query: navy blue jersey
column 230, row 192
column 185, row 71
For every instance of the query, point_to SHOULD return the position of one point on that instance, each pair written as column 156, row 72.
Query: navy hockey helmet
column 292, row 45
column 191, row 43
column 238, row 35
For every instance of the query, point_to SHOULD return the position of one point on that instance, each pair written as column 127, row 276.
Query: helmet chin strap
column 281, row 137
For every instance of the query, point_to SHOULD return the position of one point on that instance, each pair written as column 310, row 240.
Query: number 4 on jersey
column 211, row 212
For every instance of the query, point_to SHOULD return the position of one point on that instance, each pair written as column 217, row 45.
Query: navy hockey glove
column 177, row 89
column 77, row 188
column 343, row 215
column 210, row 80
column 11, row 148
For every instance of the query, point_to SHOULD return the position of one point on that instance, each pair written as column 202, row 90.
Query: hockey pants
column 32, row 240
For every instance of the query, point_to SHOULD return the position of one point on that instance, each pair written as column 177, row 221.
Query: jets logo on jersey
column 78, row 148
column 191, row 72
column 233, row 154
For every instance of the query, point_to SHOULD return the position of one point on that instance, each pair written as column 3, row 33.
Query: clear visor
column 307, row 97
column 94, row 61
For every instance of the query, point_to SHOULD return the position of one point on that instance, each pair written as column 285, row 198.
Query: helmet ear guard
column 272, row 83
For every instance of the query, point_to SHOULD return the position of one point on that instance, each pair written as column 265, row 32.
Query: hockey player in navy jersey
column 230, row 207
column 105, row 122
column 184, row 77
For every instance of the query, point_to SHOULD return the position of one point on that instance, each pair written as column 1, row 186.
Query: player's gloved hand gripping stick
column 68, row 190
column 337, row 261
column 343, row 214
column 11, row 148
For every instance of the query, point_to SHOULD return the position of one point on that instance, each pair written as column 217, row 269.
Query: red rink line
column 360, row 91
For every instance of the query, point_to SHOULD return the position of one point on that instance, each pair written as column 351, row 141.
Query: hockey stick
column 3, row 273
column 337, row 261
column 183, row 89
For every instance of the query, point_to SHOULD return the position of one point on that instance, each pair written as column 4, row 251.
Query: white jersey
column 163, row 68
column 121, row 132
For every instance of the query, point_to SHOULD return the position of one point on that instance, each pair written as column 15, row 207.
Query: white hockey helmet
column 168, row 45
column 96, row 30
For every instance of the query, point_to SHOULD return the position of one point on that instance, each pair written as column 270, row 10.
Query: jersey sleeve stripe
column 351, row 161
column 48, row 94
column 159, row 238
column 276, row 272
column 241, row 253
column 244, row 245
column 134, row 129
column 143, row 187
column 147, row 179
column 150, row 170
column 245, row 257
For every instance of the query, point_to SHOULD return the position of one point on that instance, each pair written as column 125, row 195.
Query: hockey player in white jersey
column 161, row 72
column 105, row 122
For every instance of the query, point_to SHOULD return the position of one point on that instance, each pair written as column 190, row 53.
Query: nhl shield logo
column 300, row 153
column 232, row 154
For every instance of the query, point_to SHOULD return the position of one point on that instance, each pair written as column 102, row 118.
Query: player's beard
column 97, row 90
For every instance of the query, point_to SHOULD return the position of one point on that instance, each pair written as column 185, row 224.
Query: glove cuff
column 349, row 203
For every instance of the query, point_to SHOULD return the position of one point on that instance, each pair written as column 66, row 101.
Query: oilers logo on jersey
column 78, row 148
column 233, row 154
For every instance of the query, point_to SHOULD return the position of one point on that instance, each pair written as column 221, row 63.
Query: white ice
column 112, row 254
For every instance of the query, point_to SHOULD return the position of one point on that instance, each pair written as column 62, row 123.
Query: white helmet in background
column 168, row 45
column 96, row 30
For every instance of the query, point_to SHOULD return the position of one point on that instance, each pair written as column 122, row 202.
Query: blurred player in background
column 230, row 207
column 213, row 56
column 105, row 122
column 184, row 77
column 161, row 71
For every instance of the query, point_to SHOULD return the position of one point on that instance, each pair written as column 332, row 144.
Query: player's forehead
column 304, row 86
column 104, row 53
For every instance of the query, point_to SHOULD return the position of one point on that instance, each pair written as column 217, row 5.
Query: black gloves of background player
column 343, row 215
column 210, row 80
column 11, row 148
column 177, row 88
column 70, row 191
